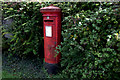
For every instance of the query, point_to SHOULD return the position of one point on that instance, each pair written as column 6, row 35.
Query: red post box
column 52, row 33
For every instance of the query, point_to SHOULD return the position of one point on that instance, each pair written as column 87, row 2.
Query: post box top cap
column 50, row 8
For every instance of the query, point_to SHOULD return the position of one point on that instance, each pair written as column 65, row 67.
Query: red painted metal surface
column 51, row 17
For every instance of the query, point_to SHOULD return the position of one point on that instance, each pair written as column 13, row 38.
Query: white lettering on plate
column 48, row 31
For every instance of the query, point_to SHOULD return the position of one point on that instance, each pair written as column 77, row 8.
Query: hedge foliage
column 91, row 37
column 26, row 29
column 91, row 42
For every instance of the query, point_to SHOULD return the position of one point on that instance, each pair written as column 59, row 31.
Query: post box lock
column 53, row 46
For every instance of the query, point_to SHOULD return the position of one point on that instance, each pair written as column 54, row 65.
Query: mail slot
column 52, row 33
column 48, row 20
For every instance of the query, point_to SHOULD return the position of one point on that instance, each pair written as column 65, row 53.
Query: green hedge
column 91, row 42
column 27, row 28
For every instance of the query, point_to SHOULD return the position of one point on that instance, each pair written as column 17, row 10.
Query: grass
column 6, row 74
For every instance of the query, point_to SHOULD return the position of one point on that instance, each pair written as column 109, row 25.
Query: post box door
column 50, row 41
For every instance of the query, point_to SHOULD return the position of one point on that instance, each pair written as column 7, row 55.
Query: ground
column 22, row 68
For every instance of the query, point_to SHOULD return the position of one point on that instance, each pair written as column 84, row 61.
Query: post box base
column 52, row 68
